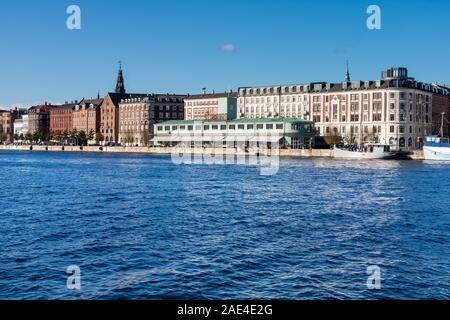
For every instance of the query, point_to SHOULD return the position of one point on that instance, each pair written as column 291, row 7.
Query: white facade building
column 21, row 125
column 396, row 110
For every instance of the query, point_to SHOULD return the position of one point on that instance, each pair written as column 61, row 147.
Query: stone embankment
column 416, row 155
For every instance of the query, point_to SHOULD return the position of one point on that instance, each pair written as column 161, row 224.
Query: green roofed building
column 292, row 133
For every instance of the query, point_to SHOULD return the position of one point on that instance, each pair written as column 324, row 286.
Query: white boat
column 372, row 151
column 436, row 148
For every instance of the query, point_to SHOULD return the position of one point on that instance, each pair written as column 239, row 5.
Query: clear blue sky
column 175, row 46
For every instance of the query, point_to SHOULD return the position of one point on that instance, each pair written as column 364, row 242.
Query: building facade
column 61, row 118
column 441, row 105
column 222, row 106
column 39, row 118
column 21, row 126
column 86, row 117
column 138, row 114
column 396, row 110
column 289, row 133
column 7, row 120
column 109, row 117
column 109, row 111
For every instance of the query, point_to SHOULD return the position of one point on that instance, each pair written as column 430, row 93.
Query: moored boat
column 436, row 148
column 370, row 151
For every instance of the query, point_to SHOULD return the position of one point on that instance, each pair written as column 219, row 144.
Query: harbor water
column 141, row 227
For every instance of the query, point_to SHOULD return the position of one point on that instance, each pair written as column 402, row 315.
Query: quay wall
column 416, row 155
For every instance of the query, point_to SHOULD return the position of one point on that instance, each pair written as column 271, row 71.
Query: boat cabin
column 435, row 141
column 379, row 148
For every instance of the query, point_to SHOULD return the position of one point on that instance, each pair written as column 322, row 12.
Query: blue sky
column 175, row 46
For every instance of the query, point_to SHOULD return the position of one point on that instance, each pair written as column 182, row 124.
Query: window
column 206, row 127
column 260, row 126
column 232, row 127
column 377, row 117
column 190, row 128
column 280, row 126
column 241, row 127
column 223, row 127
column 249, row 127
column 269, row 126
column 215, row 127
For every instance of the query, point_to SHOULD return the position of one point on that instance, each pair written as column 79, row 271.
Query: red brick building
column 61, row 118
column 86, row 116
column 441, row 104
column 109, row 117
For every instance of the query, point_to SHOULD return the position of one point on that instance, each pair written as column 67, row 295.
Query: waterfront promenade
column 306, row 153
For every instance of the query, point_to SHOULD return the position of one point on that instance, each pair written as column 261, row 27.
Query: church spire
column 120, row 86
column 347, row 74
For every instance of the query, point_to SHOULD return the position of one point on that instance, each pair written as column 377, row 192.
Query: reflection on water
column 356, row 164
column 141, row 227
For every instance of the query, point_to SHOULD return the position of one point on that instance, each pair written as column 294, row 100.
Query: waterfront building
column 61, row 117
column 7, row 131
column 396, row 110
column 138, row 113
column 86, row 117
column 215, row 106
column 7, row 120
column 292, row 133
column 21, row 126
column 441, row 104
column 39, row 118
column 109, row 110
column 109, row 117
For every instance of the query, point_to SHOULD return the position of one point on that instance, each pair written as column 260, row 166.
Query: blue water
column 141, row 227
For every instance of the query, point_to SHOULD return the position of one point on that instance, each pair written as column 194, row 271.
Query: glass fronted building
column 292, row 133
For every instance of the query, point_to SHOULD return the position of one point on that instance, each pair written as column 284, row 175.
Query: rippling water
column 141, row 227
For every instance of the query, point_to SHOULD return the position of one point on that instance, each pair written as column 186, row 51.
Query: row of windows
column 353, row 97
column 202, row 103
column 273, row 99
column 222, row 127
